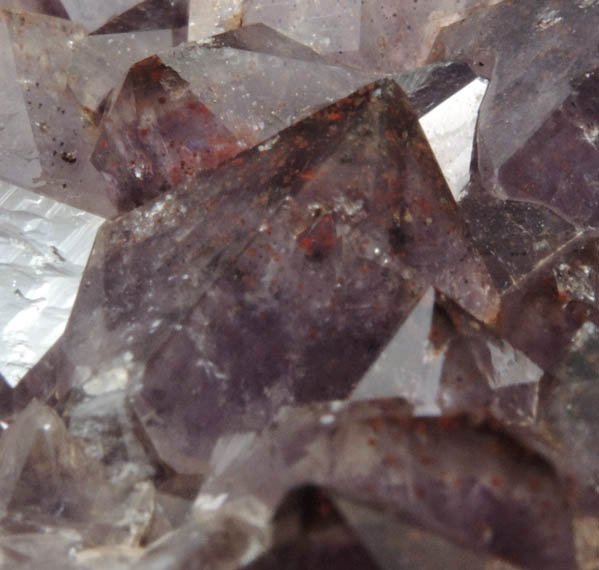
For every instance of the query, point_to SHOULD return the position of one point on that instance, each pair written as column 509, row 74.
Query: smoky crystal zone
column 292, row 347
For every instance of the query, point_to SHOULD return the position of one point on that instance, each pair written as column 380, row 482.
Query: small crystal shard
column 93, row 14
column 210, row 17
column 556, row 306
column 63, row 131
column 101, row 62
column 47, row 478
column 147, row 15
column 173, row 135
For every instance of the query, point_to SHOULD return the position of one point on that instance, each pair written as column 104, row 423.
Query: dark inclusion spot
column 69, row 157
column 397, row 238
column 316, row 253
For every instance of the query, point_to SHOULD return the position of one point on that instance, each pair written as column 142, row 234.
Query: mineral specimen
column 368, row 34
column 314, row 528
column 337, row 317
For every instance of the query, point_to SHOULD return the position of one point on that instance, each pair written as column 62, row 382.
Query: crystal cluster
column 337, row 316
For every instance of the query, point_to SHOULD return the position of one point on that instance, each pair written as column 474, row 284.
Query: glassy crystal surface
column 314, row 528
column 371, row 34
column 513, row 236
column 191, row 109
column 47, row 480
column 324, row 218
column 58, row 132
column 44, row 247
column 443, row 361
column 536, row 125
column 145, row 15
column 343, row 312
column 507, row 503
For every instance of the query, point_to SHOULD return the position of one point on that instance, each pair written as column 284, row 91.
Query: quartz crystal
column 326, row 218
column 507, row 503
column 538, row 125
column 368, row 34
column 342, row 306
column 314, row 528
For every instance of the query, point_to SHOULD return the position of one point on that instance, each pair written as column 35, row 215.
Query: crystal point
column 313, row 225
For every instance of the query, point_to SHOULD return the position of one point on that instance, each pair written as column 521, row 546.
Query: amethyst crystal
column 507, row 503
column 330, row 241
column 537, row 124
column 305, row 337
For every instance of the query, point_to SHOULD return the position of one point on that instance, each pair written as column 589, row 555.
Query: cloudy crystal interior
column 299, row 285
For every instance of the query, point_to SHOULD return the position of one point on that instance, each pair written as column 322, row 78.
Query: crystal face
column 342, row 308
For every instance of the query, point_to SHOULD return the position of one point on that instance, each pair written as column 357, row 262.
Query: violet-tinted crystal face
column 537, row 126
column 336, row 317
column 466, row 483
column 372, row 34
column 293, row 266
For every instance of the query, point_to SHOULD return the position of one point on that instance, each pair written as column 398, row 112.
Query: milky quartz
column 59, row 85
column 371, row 34
column 93, row 14
column 62, row 130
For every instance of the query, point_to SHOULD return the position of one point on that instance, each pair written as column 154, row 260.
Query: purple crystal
column 513, row 236
column 148, row 15
column 305, row 337
column 372, row 34
column 174, row 135
column 443, row 361
column 507, row 503
column 560, row 156
column 531, row 133
column 313, row 225
column 48, row 7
